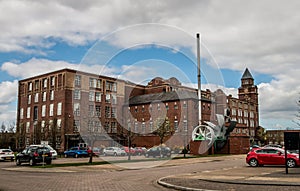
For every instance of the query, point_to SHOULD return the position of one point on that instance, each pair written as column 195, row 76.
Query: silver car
column 113, row 151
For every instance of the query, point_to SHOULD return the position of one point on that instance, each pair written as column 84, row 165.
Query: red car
column 271, row 156
column 132, row 150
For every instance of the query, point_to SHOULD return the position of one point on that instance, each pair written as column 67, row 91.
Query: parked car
column 53, row 152
column 273, row 145
column 34, row 155
column 76, row 152
column 127, row 150
column 140, row 150
column 97, row 151
column 158, row 152
column 254, row 147
column 114, row 151
column 7, row 154
column 271, row 156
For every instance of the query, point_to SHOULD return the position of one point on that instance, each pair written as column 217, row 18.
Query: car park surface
column 6, row 154
column 271, row 156
column 34, row 155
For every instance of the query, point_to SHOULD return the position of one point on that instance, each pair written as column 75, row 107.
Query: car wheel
column 115, row 154
column 253, row 162
column 18, row 162
column 76, row 155
column 31, row 163
column 104, row 154
column 66, row 156
column 147, row 155
column 290, row 163
column 161, row 156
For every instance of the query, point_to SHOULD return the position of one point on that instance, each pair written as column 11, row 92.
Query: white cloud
column 8, row 92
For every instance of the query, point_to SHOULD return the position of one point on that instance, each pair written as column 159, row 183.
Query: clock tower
column 248, row 91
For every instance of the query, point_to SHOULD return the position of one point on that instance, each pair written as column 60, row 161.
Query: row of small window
column 97, row 83
column 44, row 83
column 44, row 97
column 245, row 121
column 44, row 110
column 240, row 131
column 158, row 107
column 110, row 112
column 240, row 113
column 241, row 105
column 96, row 96
column 96, row 127
column 45, row 126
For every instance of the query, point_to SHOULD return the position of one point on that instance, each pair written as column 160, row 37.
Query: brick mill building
column 67, row 107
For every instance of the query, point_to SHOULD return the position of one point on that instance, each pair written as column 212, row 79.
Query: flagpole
column 199, row 77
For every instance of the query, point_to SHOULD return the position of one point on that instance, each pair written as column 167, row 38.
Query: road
column 136, row 176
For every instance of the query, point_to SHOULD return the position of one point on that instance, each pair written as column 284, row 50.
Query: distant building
column 67, row 107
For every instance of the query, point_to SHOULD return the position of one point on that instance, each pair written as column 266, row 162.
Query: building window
column 35, row 113
column 51, row 107
column 77, row 94
column 245, row 113
column 43, row 110
column 175, row 105
column 158, row 107
column 42, row 126
column 59, row 108
column 184, row 104
column 28, row 112
column 114, row 127
column 151, row 126
column 107, row 112
column 77, row 80
column 29, row 99
column 36, row 97
column 27, row 127
column 90, row 126
column 107, row 98
column 99, row 83
column 91, row 110
column 143, row 127
column 21, row 113
column 114, row 98
column 97, row 126
column 51, row 95
column 44, row 96
column 136, row 127
column 167, row 106
column 98, row 97
column 58, row 124
column 45, row 81
column 98, row 110
column 91, row 96
column 176, row 126
column 93, row 83
column 76, row 125
column 240, row 112
column 76, row 109
column 36, row 85
column 111, row 86
column 233, row 112
column 30, row 86
column 143, row 108
column 185, row 125
column 114, row 112
column 106, row 126
column 52, row 81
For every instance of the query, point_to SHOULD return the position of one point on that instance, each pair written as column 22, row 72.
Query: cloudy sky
column 138, row 40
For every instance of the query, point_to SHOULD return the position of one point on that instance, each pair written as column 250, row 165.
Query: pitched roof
column 163, row 97
column 247, row 75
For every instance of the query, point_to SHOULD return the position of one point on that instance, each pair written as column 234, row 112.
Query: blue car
column 76, row 152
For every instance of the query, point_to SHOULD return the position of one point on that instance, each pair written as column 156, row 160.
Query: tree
column 162, row 127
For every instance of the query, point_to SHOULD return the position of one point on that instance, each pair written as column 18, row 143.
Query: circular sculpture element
column 202, row 133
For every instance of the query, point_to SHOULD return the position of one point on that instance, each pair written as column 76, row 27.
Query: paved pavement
column 272, row 176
